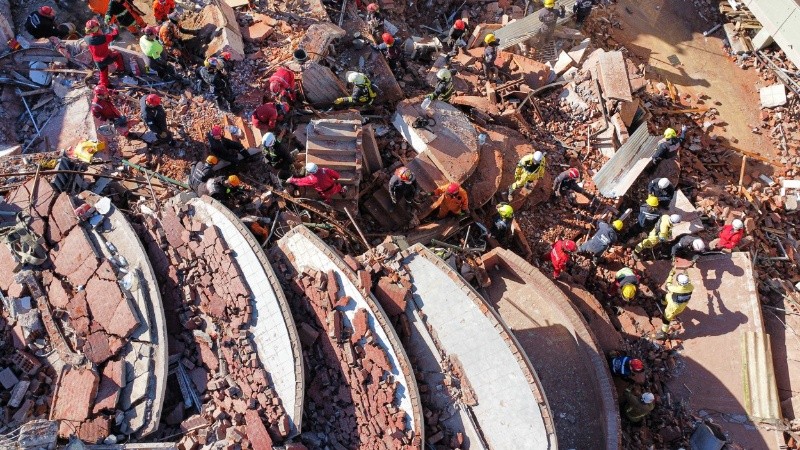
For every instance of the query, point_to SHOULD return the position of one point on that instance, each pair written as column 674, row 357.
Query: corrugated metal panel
column 525, row 28
column 780, row 18
column 621, row 171
column 761, row 391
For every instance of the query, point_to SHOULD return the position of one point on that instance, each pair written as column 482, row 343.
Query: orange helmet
column 453, row 188
column 47, row 11
column 573, row 173
column 101, row 91
column 570, row 246
column 216, row 131
column 372, row 7
column 92, row 26
column 387, row 38
column 459, row 25
column 234, row 181
column 152, row 100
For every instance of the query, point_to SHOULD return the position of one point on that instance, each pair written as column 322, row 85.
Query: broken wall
column 6, row 24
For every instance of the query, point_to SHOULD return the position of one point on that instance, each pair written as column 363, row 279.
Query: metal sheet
column 523, row 29
column 621, row 171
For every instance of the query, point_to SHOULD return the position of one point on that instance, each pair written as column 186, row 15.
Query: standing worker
column 490, row 56
column 102, row 56
column 567, row 182
column 582, row 9
column 648, row 214
column 154, row 116
column 636, row 407
column 679, row 292
column 282, row 85
column 559, row 255
column 502, row 223
column 529, row 170
column 41, row 24
column 444, row 86
column 605, row 237
column 403, row 184
column 224, row 148
column 453, row 199
column 374, row 20
column 201, row 172
column 322, row 179
column 662, row 232
column 213, row 75
column 363, row 92
column 626, row 281
column 125, row 15
column 103, row 109
column 153, row 54
column 669, row 145
column 393, row 53
column 274, row 153
column 688, row 247
column 549, row 16
column 730, row 236
column 661, row 189
column 455, row 35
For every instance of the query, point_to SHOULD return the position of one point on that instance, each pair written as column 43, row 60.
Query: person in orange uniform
column 452, row 199
column 267, row 116
column 162, row 9
column 559, row 256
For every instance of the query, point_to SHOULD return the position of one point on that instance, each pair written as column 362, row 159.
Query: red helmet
column 573, row 173
column 275, row 87
column 101, row 90
column 388, row 39
column 216, row 131
column 453, row 188
column 372, row 7
column 225, row 55
column 47, row 11
column 92, row 26
column 151, row 30
column 570, row 246
column 152, row 100
column 637, row 365
column 459, row 25
column 405, row 174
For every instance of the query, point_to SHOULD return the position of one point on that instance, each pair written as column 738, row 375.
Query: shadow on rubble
column 725, row 321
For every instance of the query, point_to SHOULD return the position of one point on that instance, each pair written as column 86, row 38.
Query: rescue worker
column 679, row 292
column 648, row 214
column 125, row 15
column 170, row 35
column 322, row 179
column 529, row 170
column 688, row 247
column 502, row 223
column 403, row 185
column 153, row 54
column 85, row 150
column 455, row 35
column 154, row 116
column 102, row 56
column 490, row 56
column 582, row 9
column 374, row 20
column 221, row 188
column 224, row 148
column 444, row 87
column 549, row 16
column 636, row 407
column 41, row 24
column 566, row 182
column 661, row 232
column 282, row 85
column 625, row 366
column 274, row 153
column 363, row 92
column 214, row 77
column 730, row 236
column 669, row 145
column 559, row 255
column 103, row 109
column 627, row 283
column 453, row 199
column 605, row 237
column 267, row 116
column 393, row 53
column 201, row 172
column 162, row 9
column 661, row 189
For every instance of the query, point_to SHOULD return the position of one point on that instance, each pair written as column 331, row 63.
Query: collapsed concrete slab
column 620, row 172
column 614, row 77
column 73, row 123
column 691, row 223
column 218, row 20
column 320, row 85
column 336, row 144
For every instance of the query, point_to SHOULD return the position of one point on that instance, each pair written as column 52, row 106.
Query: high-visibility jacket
column 455, row 204
column 677, row 293
column 558, row 256
column 528, row 171
column 663, row 229
column 150, row 48
column 626, row 276
column 443, row 91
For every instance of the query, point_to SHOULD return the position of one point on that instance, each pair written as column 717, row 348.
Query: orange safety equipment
column 234, row 181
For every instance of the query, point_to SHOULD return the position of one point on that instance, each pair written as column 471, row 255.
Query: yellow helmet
column 211, row 159
column 549, row 3
column 670, row 133
column 505, row 210
column 617, row 224
column 652, row 200
column 489, row 38
column 234, row 180
column 628, row 291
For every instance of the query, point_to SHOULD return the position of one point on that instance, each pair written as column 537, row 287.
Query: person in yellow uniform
column 679, row 292
column 662, row 232
column 530, row 169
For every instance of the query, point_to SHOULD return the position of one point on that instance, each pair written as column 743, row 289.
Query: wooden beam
column 752, row 155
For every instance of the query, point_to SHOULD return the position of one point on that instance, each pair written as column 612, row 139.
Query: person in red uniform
column 104, row 110
column 322, row 180
column 266, row 116
column 729, row 236
column 101, row 54
column 559, row 256
column 282, row 85
column 162, row 9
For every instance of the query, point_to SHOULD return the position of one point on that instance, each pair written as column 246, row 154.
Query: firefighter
column 274, row 153
column 374, row 20
column 582, row 9
column 661, row 189
column 669, row 145
column 154, row 116
column 530, row 169
column 567, row 182
column 559, row 255
column 549, row 16
column 268, row 115
column 170, row 34
column 661, row 232
column 41, row 24
column 625, row 366
column 679, row 292
column 636, row 407
column 323, row 180
column 648, row 214
column 363, row 92
column 213, row 75
column 102, row 56
column 391, row 51
column 490, row 56
column 455, row 36
column 626, row 282
column 153, row 54
column 502, row 223
column 453, row 199
column 403, row 185
column 201, row 172
column 282, row 85
column 103, row 109
column 605, row 237
column 125, row 15
column 688, row 247
column 162, row 9
column 224, row 148
column 444, row 87
column 224, row 189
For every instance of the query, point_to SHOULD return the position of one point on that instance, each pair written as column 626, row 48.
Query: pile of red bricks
column 209, row 328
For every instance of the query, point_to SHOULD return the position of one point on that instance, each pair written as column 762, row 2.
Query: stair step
column 317, row 145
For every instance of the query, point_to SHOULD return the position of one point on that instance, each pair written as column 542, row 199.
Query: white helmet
column 268, row 140
column 443, row 74
column 356, row 78
column 737, row 224
column 648, row 398
column 682, row 279
column 698, row 245
column 675, row 218
column 311, row 167
column 537, row 156
column 663, row 183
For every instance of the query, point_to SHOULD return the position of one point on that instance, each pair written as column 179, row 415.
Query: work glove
column 338, row 101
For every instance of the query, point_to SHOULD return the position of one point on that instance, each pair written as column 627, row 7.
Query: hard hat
column 372, row 7
column 234, row 181
column 489, row 38
column 537, row 156
column 216, row 131
column 675, row 218
column 211, row 159
column 682, row 279
column 698, row 245
column 737, row 224
column 47, row 11
column 652, row 200
column 663, row 183
column 459, row 25
column 268, row 140
column 573, row 173
column 67, row 28
column 570, row 246
column 648, row 398
column 275, row 87
column 628, row 291
column 505, row 210
column 444, row 74
column 453, row 188
column 356, row 78
column 226, row 56
column 213, row 62
column 549, row 3
column 311, row 167
column 100, row 90
column 387, row 38
column 152, row 100
column 150, row 31
column 617, row 224
column 405, row 174
column 670, row 133
column 92, row 25
column 637, row 365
